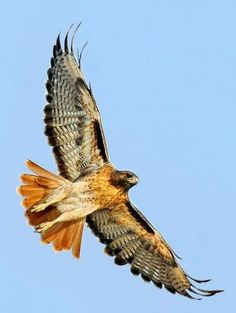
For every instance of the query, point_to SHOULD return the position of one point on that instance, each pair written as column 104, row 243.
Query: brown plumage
column 89, row 188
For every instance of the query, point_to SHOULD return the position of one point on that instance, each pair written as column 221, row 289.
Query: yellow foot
column 39, row 207
column 44, row 226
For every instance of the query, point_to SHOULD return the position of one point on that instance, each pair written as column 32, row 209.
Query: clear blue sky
column 164, row 77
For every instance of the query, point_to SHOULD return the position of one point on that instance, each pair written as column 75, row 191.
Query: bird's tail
column 34, row 188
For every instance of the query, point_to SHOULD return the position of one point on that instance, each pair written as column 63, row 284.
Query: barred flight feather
column 73, row 123
column 130, row 238
column 58, row 205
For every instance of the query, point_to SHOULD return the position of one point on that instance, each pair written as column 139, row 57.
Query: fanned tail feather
column 63, row 236
column 36, row 187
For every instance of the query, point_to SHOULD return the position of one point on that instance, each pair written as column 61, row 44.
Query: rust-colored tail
column 36, row 187
column 63, row 236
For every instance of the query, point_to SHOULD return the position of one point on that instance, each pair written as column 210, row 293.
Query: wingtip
column 218, row 291
column 203, row 292
column 58, row 41
column 199, row 281
column 191, row 297
column 81, row 53
column 73, row 37
column 57, row 47
column 66, row 49
column 209, row 292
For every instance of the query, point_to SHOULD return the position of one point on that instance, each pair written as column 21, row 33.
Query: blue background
column 163, row 74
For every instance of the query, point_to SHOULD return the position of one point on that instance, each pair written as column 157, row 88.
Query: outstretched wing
column 132, row 239
column 73, row 123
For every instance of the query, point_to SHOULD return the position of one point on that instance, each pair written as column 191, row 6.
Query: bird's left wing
column 73, row 123
column 132, row 239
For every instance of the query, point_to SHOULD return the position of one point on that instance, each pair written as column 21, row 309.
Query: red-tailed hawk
column 89, row 188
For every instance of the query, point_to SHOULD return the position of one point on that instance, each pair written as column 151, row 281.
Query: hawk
column 89, row 189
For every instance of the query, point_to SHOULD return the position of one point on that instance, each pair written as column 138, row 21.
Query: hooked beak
column 136, row 180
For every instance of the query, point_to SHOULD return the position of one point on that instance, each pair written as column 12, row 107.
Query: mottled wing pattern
column 132, row 239
column 73, row 123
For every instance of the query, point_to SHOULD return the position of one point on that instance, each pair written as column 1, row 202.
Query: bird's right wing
column 73, row 123
column 132, row 239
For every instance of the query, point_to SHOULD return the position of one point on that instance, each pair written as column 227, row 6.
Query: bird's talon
column 43, row 227
column 38, row 208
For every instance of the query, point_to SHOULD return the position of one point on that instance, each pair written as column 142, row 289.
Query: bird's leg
column 72, row 215
column 56, row 195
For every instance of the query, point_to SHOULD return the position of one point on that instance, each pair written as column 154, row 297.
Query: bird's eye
column 128, row 175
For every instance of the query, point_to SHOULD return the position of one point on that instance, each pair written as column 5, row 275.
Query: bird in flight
column 89, row 189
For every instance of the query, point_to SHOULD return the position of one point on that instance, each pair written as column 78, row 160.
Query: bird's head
column 124, row 179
